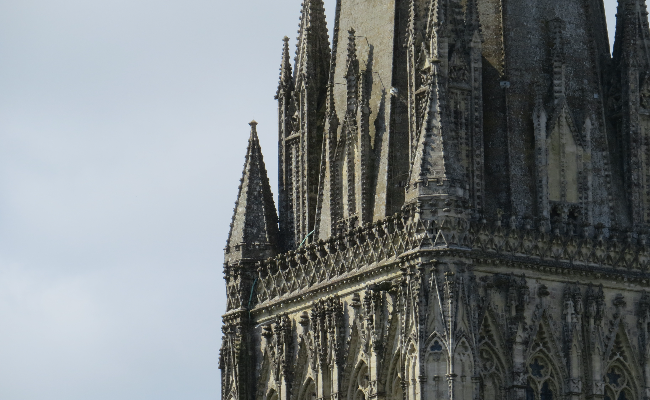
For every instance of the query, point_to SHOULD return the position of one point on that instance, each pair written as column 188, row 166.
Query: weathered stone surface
column 464, row 205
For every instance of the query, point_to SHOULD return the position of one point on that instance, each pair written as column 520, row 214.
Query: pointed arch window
column 492, row 366
column 542, row 379
column 394, row 384
column 437, row 369
column 360, row 385
column 272, row 395
column 617, row 384
column 492, row 373
column 309, row 392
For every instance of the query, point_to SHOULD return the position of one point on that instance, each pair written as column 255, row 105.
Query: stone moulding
column 388, row 241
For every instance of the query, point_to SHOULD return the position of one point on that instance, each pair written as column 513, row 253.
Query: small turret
column 286, row 76
column 446, row 122
column 254, row 229
column 253, row 238
column 629, row 104
column 286, row 113
column 302, row 143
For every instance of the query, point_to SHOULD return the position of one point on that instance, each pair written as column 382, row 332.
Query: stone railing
column 366, row 247
column 337, row 257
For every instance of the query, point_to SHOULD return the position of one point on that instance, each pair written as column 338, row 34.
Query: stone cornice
column 374, row 246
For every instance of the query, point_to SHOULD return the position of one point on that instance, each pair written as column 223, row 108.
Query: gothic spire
column 254, row 228
column 313, row 51
column 632, row 39
column 472, row 21
column 286, row 79
column 455, row 17
column 300, row 153
column 352, row 66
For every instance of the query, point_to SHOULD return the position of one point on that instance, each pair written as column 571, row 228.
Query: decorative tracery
column 360, row 385
column 542, row 379
column 617, row 384
column 618, row 379
column 437, row 367
column 490, row 357
column 394, row 385
column 492, row 373
column 309, row 390
column 464, row 369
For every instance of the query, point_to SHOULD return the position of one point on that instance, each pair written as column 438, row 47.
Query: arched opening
column 309, row 390
column 492, row 373
column 360, row 384
column 394, row 383
column 437, row 369
column 617, row 383
column 542, row 379
column 464, row 369
column 272, row 395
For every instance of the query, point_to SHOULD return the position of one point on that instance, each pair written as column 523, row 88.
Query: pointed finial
column 286, row 71
column 472, row 18
column 352, row 46
column 253, row 135
column 253, row 231
column 352, row 72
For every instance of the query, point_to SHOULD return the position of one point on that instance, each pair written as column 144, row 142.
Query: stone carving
column 463, row 209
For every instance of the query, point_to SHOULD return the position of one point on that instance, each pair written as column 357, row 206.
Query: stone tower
column 463, row 208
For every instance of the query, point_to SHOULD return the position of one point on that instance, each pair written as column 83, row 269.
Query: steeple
column 472, row 23
column 328, row 191
column 304, row 121
column 629, row 105
column 447, row 124
column 353, row 153
column 313, row 49
column 254, row 228
column 286, row 76
column 632, row 38
column 445, row 152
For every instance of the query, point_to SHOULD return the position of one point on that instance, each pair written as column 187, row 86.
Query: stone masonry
column 463, row 208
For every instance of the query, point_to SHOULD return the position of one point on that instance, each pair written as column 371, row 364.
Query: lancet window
column 492, row 374
column 394, row 385
column 272, row 395
column 361, row 384
column 542, row 379
column 309, row 391
column 436, row 365
column 464, row 368
column 617, row 384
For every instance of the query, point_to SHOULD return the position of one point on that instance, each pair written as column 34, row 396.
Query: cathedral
column 463, row 208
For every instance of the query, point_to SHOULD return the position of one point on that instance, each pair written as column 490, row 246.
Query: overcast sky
column 123, row 128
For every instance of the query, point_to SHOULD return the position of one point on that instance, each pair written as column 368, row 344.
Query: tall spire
column 447, row 126
column 286, row 78
column 313, row 50
column 304, row 122
column 628, row 104
column 254, row 230
column 472, row 21
column 632, row 39
column 352, row 67
column 328, row 191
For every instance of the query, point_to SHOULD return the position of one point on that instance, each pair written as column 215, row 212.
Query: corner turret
column 302, row 123
column 254, row 229
column 629, row 106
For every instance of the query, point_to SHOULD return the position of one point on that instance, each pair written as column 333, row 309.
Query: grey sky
column 123, row 128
